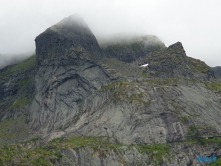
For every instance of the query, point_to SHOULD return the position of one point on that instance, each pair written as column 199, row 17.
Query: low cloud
column 194, row 23
column 10, row 59
column 122, row 38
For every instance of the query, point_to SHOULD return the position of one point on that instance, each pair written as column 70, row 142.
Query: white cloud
column 194, row 23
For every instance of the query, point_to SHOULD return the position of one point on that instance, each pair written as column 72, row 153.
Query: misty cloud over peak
column 74, row 25
column 194, row 24
column 72, row 20
column 122, row 38
column 11, row 59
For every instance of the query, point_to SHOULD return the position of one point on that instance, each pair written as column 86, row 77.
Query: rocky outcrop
column 173, row 62
column 68, row 75
column 71, row 37
column 217, row 71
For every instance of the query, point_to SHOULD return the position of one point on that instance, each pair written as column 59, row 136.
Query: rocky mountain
column 77, row 102
column 217, row 71
column 129, row 48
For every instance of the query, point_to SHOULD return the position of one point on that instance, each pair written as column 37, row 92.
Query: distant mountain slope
column 10, row 59
column 130, row 48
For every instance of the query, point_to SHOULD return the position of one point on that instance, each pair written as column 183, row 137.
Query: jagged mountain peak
column 71, row 37
column 72, row 19
column 74, row 24
column 176, row 45
column 177, row 48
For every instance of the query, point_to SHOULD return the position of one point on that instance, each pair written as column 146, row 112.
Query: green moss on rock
column 213, row 86
column 127, row 91
column 21, row 102
column 12, row 130
column 198, row 65
column 157, row 151
column 22, row 67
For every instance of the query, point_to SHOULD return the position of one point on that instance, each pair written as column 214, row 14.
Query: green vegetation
column 204, row 141
column 213, row 86
column 100, row 145
column 157, row 152
column 198, row 65
column 13, row 129
column 5, row 126
column 111, row 86
column 21, row 84
column 144, row 73
column 217, row 163
column 24, row 82
column 127, row 91
column 21, row 97
column 35, row 139
column 21, row 102
column 51, row 153
column 164, row 62
column 184, row 119
column 193, row 133
column 162, row 82
column 21, row 155
column 26, row 65
column 195, row 64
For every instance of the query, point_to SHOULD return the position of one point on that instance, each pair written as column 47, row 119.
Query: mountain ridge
column 77, row 90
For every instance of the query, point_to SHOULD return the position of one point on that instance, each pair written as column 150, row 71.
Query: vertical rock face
column 67, row 74
column 69, row 37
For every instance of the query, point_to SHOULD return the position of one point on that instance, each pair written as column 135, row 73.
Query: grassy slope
column 18, row 78
column 51, row 153
column 22, row 67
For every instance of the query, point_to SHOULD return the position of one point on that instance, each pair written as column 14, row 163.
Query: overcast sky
column 195, row 23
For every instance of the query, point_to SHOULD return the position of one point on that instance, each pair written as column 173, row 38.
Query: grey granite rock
column 83, row 90
column 70, row 37
column 217, row 71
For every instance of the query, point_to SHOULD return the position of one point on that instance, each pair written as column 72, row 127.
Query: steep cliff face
column 71, row 37
column 77, row 90
column 68, row 75
column 77, row 95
